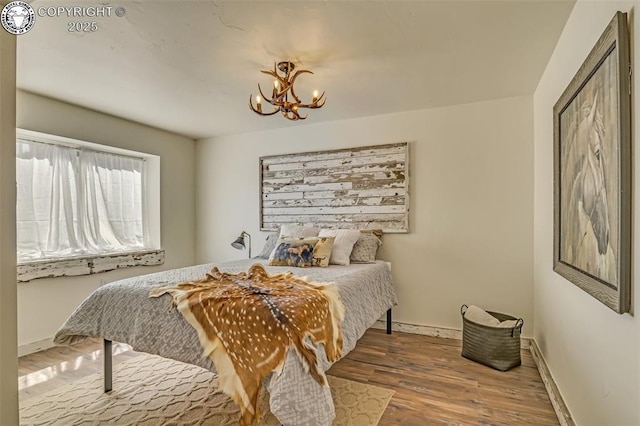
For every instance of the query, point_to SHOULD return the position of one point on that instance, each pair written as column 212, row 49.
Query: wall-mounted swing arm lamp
column 240, row 244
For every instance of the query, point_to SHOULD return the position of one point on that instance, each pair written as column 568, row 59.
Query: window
column 74, row 201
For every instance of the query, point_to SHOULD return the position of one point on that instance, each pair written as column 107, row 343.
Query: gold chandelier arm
column 292, row 115
column 283, row 83
column 264, row 97
column 293, row 80
column 279, row 95
column 295, row 110
column 260, row 112
column 274, row 75
column 316, row 104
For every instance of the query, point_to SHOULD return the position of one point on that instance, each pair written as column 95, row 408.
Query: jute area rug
column 150, row 390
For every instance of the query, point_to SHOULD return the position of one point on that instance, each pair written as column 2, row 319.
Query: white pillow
column 270, row 244
column 343, row 245
column 293, row 230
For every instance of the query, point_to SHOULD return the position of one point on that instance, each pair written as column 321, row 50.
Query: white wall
column 592, row 352
column 471, row 177
column 44, row 304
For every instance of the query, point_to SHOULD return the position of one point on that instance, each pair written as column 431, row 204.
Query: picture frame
column 361, row 187
column 592, row 172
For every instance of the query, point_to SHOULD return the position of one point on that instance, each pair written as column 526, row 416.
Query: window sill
column 87, row 265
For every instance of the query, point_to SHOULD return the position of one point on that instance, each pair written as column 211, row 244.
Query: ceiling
column 189, row 67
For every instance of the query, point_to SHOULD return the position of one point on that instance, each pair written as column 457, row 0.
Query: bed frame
column 108, row 355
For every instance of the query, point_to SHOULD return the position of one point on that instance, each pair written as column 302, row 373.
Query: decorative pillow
column 269, row 246
column 296, row 252
column 377, row 232
column 322, row 251
column 343, row 245
column 365, row 249
column 294, row 230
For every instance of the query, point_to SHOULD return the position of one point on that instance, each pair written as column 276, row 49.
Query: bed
column 122, row 311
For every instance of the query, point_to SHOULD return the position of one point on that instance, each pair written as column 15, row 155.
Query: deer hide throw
column 247, row 323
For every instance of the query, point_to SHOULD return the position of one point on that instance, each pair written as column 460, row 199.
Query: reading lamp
column 239, row 243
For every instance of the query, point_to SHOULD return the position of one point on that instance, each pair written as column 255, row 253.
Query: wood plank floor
column 433, row 383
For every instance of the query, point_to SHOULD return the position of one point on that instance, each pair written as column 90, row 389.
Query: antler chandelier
column 282, row 88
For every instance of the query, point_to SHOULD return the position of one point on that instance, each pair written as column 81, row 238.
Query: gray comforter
column 123, row 312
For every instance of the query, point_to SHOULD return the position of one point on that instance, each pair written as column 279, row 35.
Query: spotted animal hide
column 247, row 323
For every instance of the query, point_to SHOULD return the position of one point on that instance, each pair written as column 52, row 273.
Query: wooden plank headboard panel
column 363, row 187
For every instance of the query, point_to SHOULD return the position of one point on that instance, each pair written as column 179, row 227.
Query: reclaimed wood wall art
column 362, row 187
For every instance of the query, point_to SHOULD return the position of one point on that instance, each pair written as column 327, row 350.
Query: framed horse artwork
column 592, row 172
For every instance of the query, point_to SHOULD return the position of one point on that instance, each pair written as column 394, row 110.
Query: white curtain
column 74, row 202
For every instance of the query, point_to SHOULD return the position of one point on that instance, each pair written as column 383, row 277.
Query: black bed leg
column 107, row 366
column 389, row 321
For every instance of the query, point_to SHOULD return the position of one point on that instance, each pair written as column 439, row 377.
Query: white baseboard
column 559, row 406
column 428, row 330
column 38, row 346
